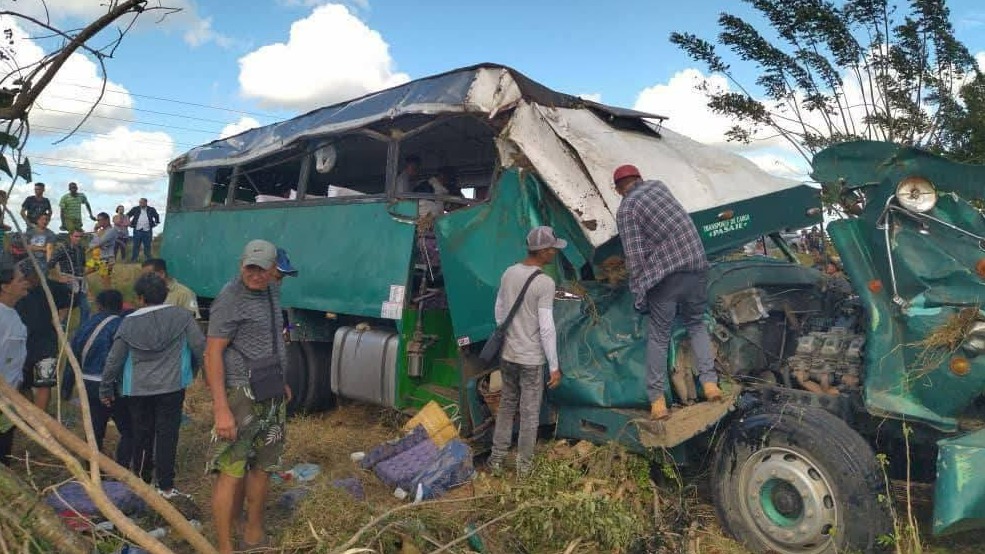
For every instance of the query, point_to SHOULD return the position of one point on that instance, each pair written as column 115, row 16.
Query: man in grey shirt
column 531, row 341
column 245, row 325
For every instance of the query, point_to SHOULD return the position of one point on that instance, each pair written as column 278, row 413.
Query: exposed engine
column 803, row 337
column 828, row 361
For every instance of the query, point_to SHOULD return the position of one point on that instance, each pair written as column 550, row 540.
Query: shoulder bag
column 494, row 344
column 266, row 374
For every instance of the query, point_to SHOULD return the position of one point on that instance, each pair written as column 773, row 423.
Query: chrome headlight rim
column 916, row 194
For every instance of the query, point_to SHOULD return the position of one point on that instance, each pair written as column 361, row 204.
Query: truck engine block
column 828, row 362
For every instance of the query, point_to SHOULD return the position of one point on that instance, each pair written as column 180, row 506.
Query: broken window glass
column 197, row 189
column 348, row 166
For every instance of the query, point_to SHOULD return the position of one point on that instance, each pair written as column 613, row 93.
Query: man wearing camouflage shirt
column 245, row 325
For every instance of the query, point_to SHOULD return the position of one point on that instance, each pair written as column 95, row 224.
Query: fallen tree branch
column 489, row 523
column 47, row 429
column 376, row 521
column 28, row 422
column 22, row 504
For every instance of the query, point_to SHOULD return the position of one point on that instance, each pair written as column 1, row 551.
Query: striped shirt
column 658, row 237
column 72, row 205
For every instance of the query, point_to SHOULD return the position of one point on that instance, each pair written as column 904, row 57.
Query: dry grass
column 613, row 271
column 944, row 340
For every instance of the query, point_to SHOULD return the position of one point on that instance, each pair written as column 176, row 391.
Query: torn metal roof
column 484, row 89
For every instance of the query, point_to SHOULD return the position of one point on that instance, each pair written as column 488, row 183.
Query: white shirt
column 531, row 338
column 433, row 207
column 13, row 346
column 143, row 222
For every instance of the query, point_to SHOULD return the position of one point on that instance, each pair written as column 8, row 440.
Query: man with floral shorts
column 245, row 335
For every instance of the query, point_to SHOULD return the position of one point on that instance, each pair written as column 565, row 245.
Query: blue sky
column 239, row 58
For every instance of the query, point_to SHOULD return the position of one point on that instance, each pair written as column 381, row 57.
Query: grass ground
column 328, row 517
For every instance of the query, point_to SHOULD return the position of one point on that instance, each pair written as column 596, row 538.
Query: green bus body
column 362, row 260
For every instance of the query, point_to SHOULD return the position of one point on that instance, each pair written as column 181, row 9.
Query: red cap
column 624, row 171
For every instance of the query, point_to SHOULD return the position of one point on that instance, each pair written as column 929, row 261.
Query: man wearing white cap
column 531, row 341
column 245, row 360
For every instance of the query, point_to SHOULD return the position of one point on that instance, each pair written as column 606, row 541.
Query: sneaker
column 172, row 493
column 495, row 464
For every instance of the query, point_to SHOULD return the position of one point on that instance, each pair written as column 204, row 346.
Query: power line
column 125, row 120
column 117, row 171
column 90, row 133
column 185, row 102
column 108, row 105
column 87, row 162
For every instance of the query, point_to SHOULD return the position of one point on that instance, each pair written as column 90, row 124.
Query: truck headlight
column 916, row 194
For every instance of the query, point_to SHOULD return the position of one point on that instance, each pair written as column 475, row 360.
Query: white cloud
column 196, row 30
column 330, row 56
column 71, row 93
column 115, row 165
column 689, row 114
column 244, row 124
column 980, row 58
column 686, row 107
column 591, row 97
column 358, row 4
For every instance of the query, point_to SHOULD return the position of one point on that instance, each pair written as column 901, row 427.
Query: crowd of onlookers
column 137, row 361
column 30, row 357
column 159, row 366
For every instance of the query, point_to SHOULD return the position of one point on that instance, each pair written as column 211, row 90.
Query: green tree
column 859, row 69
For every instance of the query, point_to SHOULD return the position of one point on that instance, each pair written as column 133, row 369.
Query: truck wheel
column 799, row 482
column 296, row 377
column 319, row 374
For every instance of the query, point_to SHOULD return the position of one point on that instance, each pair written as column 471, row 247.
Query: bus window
column 196, row 189
column 359, row 170
column 272, row 179
column 463, row 146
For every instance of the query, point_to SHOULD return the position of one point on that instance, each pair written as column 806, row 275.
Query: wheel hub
column 788, row 501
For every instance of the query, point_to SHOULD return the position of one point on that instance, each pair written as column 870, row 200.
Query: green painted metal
column 441, row 362
column 959, row 494
column 769, row 506
column 935, row 274
column 478, row 243
column 348, row 254
column 603, row 350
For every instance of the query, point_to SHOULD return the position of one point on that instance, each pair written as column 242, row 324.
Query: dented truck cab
column 398, row 277
column 914, row 245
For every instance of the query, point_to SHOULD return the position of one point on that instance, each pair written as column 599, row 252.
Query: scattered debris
column 351, row 485
column 301, row 473
column 291, row 498
column 72, row 497
column 945, row 339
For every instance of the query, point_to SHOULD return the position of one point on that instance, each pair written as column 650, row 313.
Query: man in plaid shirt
column 668, row 271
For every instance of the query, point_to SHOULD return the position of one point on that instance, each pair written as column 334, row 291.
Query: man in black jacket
column 143, row 219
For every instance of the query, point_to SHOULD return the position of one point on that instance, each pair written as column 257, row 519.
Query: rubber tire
column 296, row 377
column 841, row 454
column 318, row 395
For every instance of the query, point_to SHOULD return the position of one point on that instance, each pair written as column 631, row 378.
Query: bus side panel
column 477, row 244
column 348, row 255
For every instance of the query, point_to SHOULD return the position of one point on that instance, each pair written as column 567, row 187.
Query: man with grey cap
column 245, row 360
column 530, row 342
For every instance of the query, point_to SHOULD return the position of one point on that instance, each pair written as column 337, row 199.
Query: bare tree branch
column 23, row 101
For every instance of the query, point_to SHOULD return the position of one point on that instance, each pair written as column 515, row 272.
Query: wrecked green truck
column 391, row 305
